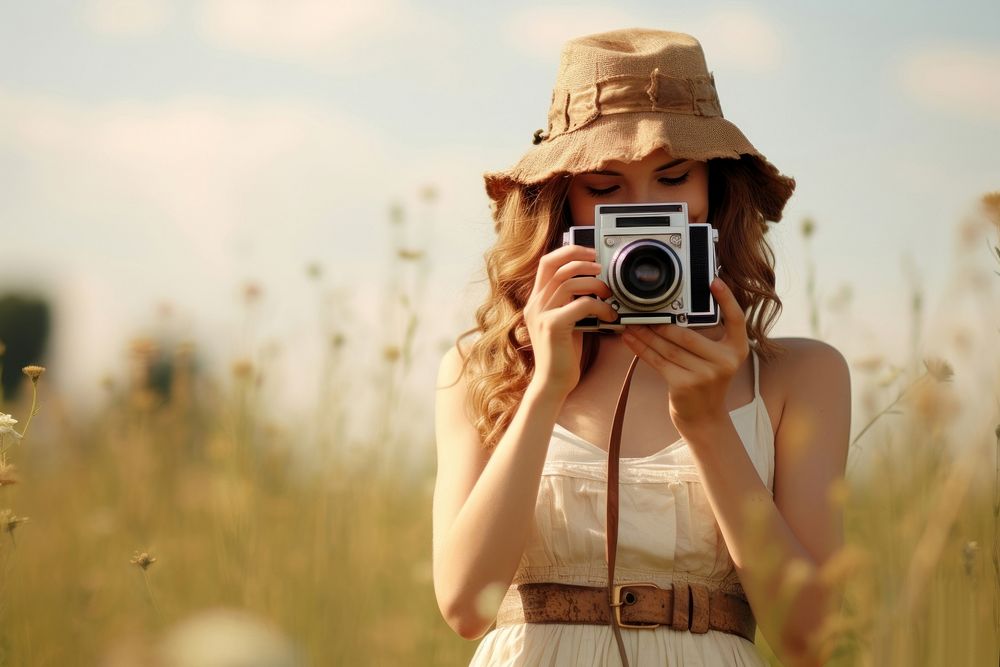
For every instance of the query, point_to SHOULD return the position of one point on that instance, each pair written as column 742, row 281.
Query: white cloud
column 737, row 38
column 335, row 36
column 205, row 165
column 956, row 79
column 127, row 18
column 541, row 31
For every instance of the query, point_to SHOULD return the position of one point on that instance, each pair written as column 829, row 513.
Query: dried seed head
column 396, row 214
column 808, row 227
column 143, row 560
column 33, row 372
column 939, row 369
column 251, row 292
column 409, row 255
column 391, row 353
column 429, row 193
column 991, row 205
column 242, row 369
column 143, row 347
column 969, row 552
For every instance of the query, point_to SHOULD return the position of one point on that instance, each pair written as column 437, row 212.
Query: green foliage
column 24, row 331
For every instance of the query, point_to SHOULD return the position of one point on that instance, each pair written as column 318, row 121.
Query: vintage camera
column 657, row 264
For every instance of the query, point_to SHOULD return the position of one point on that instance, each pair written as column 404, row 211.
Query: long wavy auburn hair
column 743, row 195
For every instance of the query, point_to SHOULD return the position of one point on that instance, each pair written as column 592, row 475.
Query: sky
column 157, row 156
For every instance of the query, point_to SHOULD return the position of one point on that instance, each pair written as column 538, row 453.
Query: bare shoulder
column 804, row 369
column 805, row 354
column 808, row 371
column 453, row 426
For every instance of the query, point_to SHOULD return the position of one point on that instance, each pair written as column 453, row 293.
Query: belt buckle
column 616, row 604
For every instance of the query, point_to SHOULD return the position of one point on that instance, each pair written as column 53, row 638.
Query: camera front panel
column 671, row 274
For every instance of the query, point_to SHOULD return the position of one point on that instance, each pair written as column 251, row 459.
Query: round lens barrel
column 647, row 271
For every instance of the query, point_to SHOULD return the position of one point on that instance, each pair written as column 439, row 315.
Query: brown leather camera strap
column 614, row 447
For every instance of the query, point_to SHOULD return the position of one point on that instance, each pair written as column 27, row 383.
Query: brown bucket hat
column 622, row 94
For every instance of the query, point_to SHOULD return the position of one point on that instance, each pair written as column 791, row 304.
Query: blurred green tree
column 25, row 323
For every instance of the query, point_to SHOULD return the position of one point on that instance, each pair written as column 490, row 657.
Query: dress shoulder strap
column 756, row 374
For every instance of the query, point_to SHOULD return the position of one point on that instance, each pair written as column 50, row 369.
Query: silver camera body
column 657, row 264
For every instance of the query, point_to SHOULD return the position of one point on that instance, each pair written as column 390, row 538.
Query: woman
column 730, row 440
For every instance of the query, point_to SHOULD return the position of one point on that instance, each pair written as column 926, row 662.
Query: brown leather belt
column 685, row 606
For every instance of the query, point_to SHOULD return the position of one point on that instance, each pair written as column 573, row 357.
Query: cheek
column 698, row 202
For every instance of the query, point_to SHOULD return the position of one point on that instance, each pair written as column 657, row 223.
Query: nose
column 642, row 193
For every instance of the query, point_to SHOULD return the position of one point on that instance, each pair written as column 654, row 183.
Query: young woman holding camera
column 709, row 512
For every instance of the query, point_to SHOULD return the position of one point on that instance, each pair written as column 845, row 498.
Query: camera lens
column 647, row 272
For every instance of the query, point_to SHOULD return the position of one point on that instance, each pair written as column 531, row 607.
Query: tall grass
column 155, row 508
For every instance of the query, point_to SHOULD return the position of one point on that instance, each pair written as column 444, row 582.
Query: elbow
column 461, row 611
column 465, row 621
column 468, row 608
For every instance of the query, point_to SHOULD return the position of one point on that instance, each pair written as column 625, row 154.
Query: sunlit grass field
column 121, row 530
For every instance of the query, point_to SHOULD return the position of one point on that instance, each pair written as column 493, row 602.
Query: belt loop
column 682, row 606
column 700, row 608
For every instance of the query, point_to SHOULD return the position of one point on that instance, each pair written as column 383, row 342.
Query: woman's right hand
column 551, row 311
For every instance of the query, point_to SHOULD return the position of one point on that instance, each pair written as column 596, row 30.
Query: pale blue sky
column 154, row 150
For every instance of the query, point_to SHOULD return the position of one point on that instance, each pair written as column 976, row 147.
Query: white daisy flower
column 7, row 425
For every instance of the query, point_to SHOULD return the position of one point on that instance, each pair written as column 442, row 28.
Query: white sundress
column 667, row 533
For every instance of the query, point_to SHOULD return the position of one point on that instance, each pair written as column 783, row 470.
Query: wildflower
column 33, row 372
column 143, row 560
column 7, row 425
column 939, row 369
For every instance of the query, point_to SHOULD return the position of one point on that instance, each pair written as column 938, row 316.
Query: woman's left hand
column 697, row 370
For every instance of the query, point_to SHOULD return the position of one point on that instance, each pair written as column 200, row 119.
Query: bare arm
column 483, row 504
column 780, row 545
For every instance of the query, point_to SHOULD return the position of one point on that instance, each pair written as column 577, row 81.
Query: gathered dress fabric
column 667, row 533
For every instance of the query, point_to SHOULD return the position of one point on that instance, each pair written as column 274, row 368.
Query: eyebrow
column 668, row 165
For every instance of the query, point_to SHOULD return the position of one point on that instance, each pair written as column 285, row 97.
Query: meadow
column 122, row 531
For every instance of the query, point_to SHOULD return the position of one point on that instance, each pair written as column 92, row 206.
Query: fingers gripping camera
column 657, row 264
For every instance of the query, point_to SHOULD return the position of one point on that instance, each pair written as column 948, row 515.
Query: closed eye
column 595, row 192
